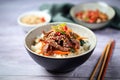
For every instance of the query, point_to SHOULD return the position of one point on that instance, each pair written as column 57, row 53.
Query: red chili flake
column 42, row 19
column 58, row 33
column 65, row 28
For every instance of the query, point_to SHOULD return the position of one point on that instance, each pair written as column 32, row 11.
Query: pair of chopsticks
column 103, row 61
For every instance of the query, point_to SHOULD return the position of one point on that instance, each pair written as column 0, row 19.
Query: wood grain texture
column 16, row 64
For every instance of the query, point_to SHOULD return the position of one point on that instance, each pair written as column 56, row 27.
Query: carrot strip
column 80, row 38
column 60, row 52
column 47, row 54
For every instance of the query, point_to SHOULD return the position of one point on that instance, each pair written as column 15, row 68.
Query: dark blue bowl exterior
column 60, row 65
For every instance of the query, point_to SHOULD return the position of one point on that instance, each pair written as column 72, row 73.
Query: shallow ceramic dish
column 101, row 6
column 27, row 27
column 60, row 64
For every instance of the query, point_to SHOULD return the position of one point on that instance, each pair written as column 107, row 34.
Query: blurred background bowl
column 101, row 6
column 60, row 64
column 40, row 15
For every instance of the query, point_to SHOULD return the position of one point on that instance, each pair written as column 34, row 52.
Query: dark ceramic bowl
column 60, row 64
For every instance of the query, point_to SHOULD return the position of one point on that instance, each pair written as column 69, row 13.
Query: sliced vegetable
column 60, row 52
column 81, row 38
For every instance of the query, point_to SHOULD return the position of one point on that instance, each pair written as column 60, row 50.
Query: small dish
column 29, row 20
column 101, row 6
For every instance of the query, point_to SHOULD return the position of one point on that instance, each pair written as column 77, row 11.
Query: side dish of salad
column 92, row 16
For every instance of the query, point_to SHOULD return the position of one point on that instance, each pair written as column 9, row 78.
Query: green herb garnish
column 82, row 42
column 72, row 50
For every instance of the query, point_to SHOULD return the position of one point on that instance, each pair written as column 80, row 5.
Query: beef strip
column 60, row 42
column 64, row 39
column 46, row 34
column 56, row 46
column 77, row 43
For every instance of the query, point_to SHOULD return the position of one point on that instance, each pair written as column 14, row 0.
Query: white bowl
column 27, row 27
column 101, row 6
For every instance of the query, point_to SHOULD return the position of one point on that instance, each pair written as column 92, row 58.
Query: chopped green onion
column 82, row 42
column 72, row 50
column 63, row 32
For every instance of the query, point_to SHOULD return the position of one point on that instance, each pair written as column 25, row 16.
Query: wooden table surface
column 16, row 64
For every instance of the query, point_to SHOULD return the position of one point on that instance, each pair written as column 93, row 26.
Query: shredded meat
column 46, row 34
column 77, row 43
column 60, row 42
column 55, row 45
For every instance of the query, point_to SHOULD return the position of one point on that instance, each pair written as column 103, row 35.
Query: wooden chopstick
column 105, row 57
column 104, row 60
column 98, row 63
column 108, row 59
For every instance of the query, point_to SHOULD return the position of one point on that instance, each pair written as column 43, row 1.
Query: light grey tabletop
column 16, row 64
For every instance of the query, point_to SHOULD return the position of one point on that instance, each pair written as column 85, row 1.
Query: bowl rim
column 35, row 13
column 25, row 45
column 98, row 3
